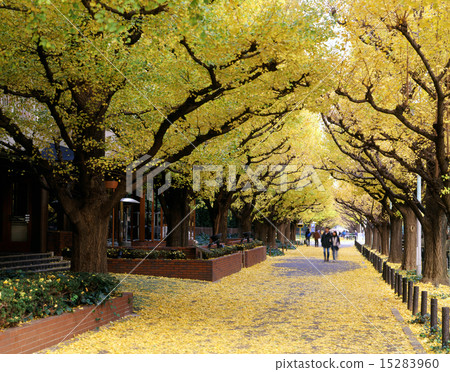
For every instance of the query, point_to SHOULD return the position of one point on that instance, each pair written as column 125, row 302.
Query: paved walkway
column 291, row 304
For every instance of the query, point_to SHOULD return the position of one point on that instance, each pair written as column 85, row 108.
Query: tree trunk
column 175, row 204
column 395, row 253
column 384, row 238
column 410, row 234
column 287, row 233
column 368, row 236
column 220, row 223
column 375, row 239
column 293, row 232
column 280, row 232
column 246, row 222
column 435, row 236
column 89, row 242
column 271, row 233
column 261, row 231
column 218, row 213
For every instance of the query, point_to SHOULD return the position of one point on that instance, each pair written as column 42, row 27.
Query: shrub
column 219, row 252
column 24, row 296
column 274, row 252
column 165, row 254
column 223, row 251
column 202, row 239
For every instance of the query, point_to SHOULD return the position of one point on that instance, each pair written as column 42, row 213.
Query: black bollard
column 445, row 327
column 410, row 295
column 423, row 305
column 393, row 278
column 433, row 314
column 415, row 308
column 400, row 285
column 405, row 290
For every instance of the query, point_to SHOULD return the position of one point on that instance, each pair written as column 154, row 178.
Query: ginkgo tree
column 115, row 80
column 398, row 69
column 358, row 170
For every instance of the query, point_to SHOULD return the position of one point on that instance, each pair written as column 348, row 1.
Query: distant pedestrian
column 326, row 244
column 335, row 244
column 307, row 237
column 316, row 237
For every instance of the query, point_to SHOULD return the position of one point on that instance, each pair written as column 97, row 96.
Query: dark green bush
column 274, row 252
column 219, row 252
column 202, row 239
column 164, row 254
column 223, row 251
column 25, row 296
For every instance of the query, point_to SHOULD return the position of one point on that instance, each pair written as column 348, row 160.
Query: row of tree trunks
column 386, row 238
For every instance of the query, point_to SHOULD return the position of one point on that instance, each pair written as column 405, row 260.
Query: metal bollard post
column 410, row 295
column 445, row 327
column 415, row 308
column 433, row 314
column 424, row 303
column 405, row 290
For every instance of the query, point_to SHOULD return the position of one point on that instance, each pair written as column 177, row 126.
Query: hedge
column 24, row 296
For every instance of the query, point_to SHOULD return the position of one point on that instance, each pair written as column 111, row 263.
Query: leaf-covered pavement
column 283, row 305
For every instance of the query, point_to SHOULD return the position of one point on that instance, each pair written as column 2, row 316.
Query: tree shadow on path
column 314, row 266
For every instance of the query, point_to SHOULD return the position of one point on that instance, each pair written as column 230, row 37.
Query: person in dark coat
column 335, row 244
column 307, row 236
column 326, row 244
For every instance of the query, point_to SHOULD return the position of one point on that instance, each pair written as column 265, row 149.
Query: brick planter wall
column 43, row 333
column 254, row 256
column 226, row 265
column 208, row 270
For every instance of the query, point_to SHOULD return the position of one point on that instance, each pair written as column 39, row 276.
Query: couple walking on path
column 330, row 240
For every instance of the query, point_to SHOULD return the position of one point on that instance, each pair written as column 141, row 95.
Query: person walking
column 316, row 237
column 326, row 244
column 335, row 244
column 307, row 236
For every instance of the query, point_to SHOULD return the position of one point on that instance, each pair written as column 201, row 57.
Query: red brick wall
column 226, row 265
column 254, row 256
column 209, row 270
column 43, row 333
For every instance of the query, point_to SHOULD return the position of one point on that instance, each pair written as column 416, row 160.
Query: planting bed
column 208, row 270
column 43, row 333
